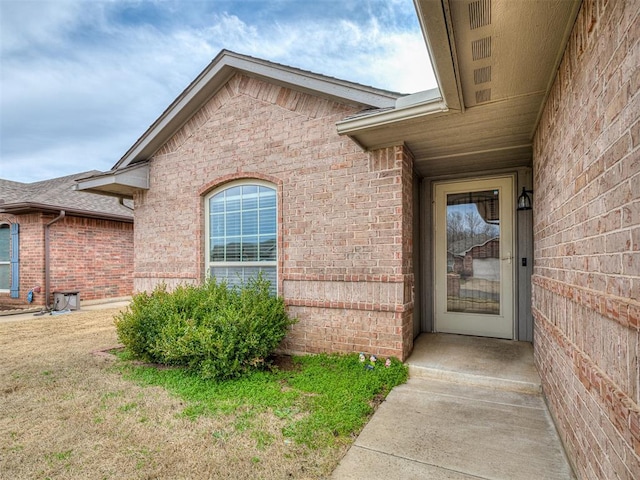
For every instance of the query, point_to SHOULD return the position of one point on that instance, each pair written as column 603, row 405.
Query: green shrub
column 218, row 331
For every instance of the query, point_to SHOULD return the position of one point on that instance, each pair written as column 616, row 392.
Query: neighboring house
column 338, row 192
column 54, row 238
column 480, row 260
column 473, row 275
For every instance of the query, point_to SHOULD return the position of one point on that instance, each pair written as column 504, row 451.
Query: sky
column 82, row 80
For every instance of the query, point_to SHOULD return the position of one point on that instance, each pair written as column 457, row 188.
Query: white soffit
column 495, row 61
column 120, row 183
column 508, row 48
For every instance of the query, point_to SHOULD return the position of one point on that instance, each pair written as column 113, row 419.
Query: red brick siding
column 586, row 284
column 31, row 256
column 89, row 255
column 344, row 227
column 490, row 249
column 92, row 256
column 31, row 241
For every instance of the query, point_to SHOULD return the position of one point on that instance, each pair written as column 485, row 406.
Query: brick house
column 53, row 238
column 344, row 195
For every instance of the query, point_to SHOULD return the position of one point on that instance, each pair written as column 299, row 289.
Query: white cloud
column 364, row 53
column 29, row 24
column 81, row 80
column 56, row 160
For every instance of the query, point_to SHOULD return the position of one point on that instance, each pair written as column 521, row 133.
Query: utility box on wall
column 69, row 300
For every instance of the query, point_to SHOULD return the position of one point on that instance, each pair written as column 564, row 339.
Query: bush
column 218, row 331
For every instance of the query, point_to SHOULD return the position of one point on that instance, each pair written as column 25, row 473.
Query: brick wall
column 345, row 215
column 92, row 256
column 586, row 284
column 89, row 255
column 31, row 241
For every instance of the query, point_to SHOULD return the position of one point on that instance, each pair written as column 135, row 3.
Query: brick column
column 368, row 306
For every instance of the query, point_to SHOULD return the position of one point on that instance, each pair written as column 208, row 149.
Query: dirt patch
column 280, row 362
column 108, row 353
column 283, row 362
column 377, row 400
column 67, row 413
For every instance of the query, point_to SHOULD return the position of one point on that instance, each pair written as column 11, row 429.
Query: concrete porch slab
column 489, row 362
column 461, row 427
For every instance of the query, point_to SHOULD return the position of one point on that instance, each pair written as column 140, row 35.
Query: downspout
column 46, row 256
column 121, row 202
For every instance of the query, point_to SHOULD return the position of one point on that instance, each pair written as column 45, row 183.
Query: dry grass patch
column 68, row 413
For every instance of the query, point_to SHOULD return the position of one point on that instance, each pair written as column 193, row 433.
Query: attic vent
column 479, row 13
column 483, row 95
column 481, row 48
column 482, row 75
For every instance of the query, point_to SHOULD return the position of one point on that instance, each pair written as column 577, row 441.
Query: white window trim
column 207, row 229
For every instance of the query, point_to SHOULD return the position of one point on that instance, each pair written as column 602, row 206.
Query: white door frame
column 502, row 325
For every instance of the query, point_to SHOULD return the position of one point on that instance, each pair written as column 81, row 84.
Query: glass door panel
column 473, row 252
column 473, row 257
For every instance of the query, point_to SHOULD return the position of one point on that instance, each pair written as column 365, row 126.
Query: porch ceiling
column 495, row 61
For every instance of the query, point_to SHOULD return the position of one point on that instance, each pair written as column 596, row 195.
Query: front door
column 474, row 251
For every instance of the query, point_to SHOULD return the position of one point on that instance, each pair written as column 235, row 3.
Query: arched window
column 241, row 225
column 5, row 258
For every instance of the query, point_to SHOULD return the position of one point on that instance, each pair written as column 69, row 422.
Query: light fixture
column 524, row 201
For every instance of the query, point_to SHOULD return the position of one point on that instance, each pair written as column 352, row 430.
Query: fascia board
column 312, row 83
column 118, row 183
column 434, row 19
column 176, row 114
column 29, row 207
column 436, row 28
column 218, row 73
column 353, row 125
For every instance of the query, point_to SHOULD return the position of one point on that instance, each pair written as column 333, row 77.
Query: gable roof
column 59, row 194
column 224, row 66
column 494, row 61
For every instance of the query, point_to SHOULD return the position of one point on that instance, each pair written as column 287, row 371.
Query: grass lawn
column 66, row 412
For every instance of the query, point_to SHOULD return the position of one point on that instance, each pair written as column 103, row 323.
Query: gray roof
column 59, row 194
column 462, row 247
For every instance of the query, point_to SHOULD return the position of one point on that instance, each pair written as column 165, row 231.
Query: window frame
column 208, row 264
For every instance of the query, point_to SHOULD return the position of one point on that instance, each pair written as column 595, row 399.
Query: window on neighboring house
column 241, row 221
column 5, row 258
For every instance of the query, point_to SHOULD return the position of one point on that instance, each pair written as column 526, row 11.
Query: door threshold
column 481, row 361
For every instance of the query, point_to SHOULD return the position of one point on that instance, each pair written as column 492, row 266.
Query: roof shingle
column 59, row 194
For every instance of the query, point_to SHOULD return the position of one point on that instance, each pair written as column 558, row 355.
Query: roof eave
column 433, row 16
column 23, row 208
column 217, row 74
column 117, row 183
column 351, row 126
column 435, row 23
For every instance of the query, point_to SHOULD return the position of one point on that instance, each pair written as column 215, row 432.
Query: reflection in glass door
column 473, row 257
column 473, row 252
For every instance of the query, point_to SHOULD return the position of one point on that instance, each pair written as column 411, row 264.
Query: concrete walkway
column 34, row 313
column 472, row 409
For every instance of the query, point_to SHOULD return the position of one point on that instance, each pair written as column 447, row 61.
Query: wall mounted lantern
column 524, row 200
